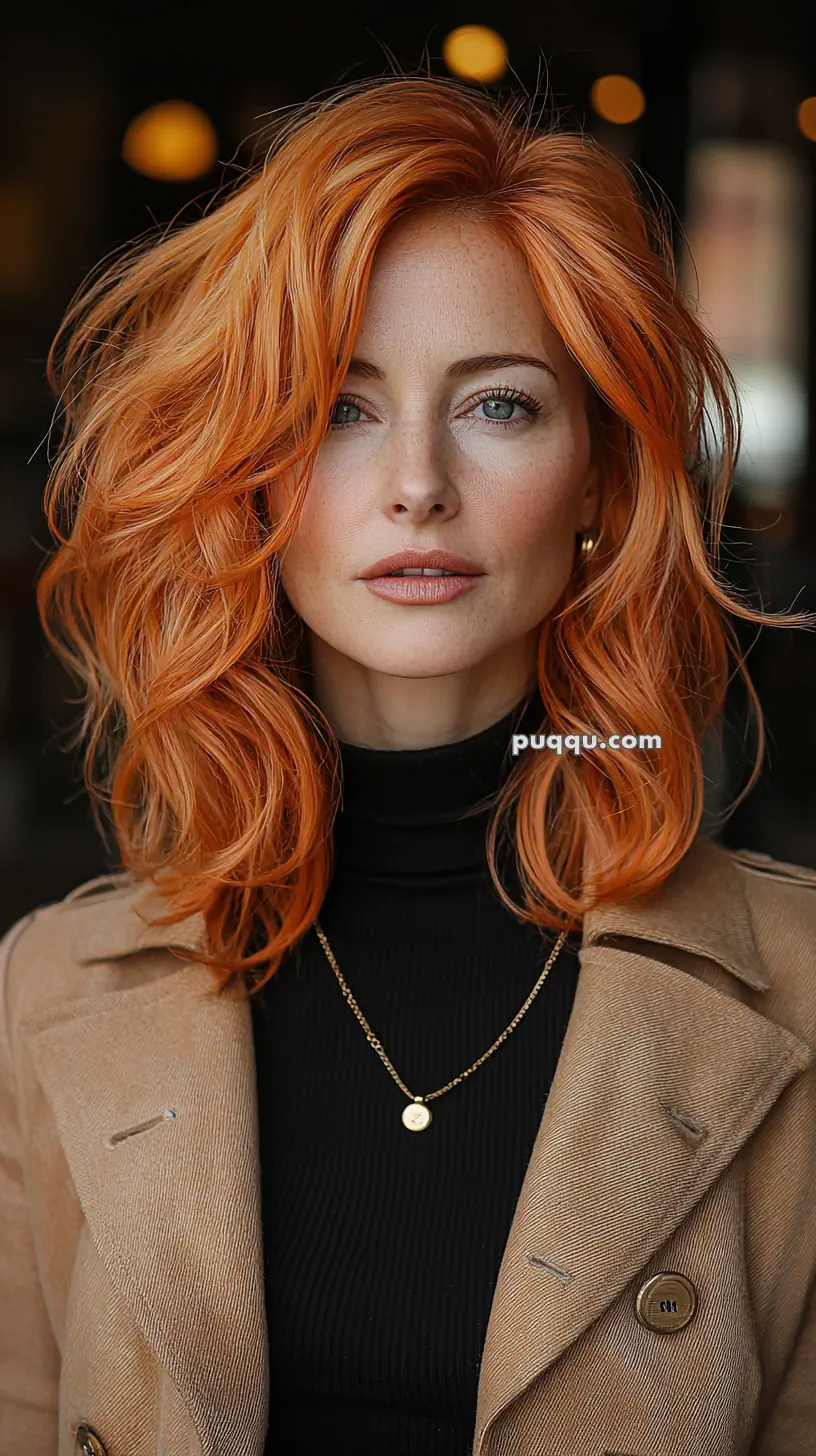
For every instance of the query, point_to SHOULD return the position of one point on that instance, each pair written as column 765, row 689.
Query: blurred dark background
column 713, row 105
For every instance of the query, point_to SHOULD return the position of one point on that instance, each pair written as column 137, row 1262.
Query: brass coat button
column 88, row 1443
column 666, row 1302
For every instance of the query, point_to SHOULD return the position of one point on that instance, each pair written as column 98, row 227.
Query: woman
column 562, row 1200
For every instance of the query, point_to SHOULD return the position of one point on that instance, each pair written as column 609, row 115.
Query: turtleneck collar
column 424, row 812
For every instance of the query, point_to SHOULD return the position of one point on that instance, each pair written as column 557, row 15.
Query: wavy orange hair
column 200, row 368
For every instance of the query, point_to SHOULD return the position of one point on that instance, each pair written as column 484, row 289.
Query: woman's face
column 422, row 453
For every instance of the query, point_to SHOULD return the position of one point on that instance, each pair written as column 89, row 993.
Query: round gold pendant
column 416, row 1116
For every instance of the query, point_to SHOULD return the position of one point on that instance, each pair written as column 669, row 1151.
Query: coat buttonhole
column 691, row 1130
column 114, row 1138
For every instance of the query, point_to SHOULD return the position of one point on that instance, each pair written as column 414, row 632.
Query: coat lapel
column 662, row 1078
column 153, row 1093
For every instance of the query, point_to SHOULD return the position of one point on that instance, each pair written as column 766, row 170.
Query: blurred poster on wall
column 747, row 229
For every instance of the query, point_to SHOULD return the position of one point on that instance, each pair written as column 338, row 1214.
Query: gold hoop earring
column 588, row 544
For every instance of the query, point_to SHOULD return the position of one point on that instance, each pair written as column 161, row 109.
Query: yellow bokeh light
column 806, row 117
column 475, row 53
column 173, row 141
column 618, row 99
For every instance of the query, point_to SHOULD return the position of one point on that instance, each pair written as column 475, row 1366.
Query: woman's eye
column 503, row 406
column 344, row 403
column 508, row 403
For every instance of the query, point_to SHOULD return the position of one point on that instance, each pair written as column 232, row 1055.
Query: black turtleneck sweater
column 382, row 1246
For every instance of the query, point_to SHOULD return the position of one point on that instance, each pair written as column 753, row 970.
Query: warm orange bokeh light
column 174, row 142
column 618, row 99
column 806, row 117
column 475, row 52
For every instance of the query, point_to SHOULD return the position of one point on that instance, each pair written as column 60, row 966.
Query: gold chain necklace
column 416, row 1116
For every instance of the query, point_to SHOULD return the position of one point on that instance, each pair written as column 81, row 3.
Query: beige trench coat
column 679, row 1139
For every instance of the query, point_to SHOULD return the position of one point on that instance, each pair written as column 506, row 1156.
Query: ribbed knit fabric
column 382, row 1246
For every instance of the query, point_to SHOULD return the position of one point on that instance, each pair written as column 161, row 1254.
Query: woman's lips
column 420, row 590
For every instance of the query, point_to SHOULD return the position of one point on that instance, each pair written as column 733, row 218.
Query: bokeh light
column 618, row 99
column 173, row 141
column 806, row 117
column 475, row 52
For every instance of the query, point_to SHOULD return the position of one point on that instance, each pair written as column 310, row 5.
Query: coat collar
column 643, row 1114
column 701, row 908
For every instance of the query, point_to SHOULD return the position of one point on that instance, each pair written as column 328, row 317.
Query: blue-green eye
column 506, row 397
column 344, row 401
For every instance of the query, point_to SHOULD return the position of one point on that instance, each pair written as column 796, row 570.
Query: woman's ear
column 590, row 501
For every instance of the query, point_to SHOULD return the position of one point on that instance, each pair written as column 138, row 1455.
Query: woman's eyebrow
column 462, row 368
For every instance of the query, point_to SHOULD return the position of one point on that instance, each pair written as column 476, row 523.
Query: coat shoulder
column 47, row 956
column 781, row 899
column 756, row 862
column 774, row 886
